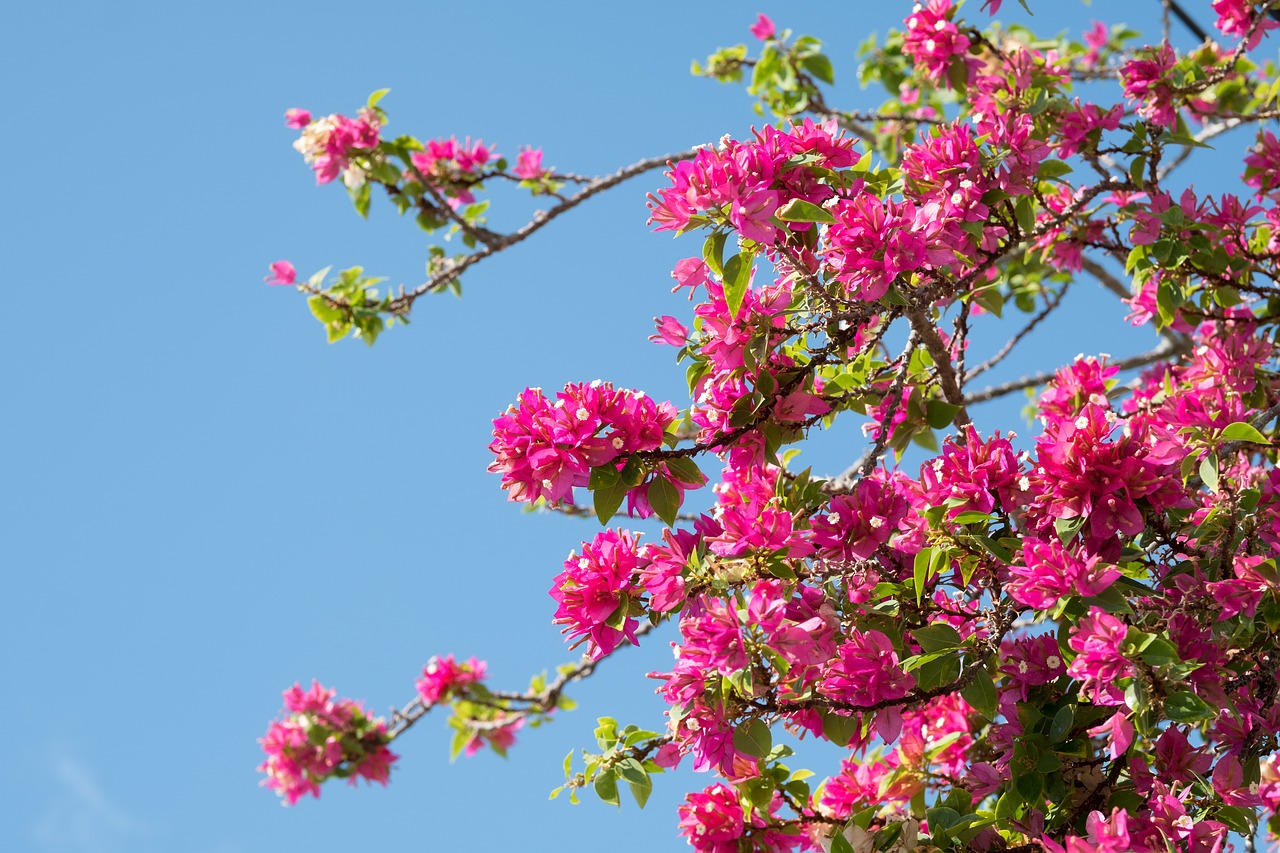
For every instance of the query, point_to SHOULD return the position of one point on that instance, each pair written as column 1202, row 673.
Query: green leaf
column 1029, row 787
column 1067, row 528
column 1026, row 215
column 607, row 500
column 686, row 471
column 664, row 498
column 1186, row 707
column 937, row 637
column 375, row 97
column 1161, row 652
column 820, row 67
column 971, row 517
column 737, row 275
column 920, row 572
column 1209, row 472
column 1050, row 169
column 981, row 694
column 641, row 790
column 753, row 738
column 361, row 198
column 839, row 729
column 1063, row 721
column 799, row 210
column 606, row 786
column 1241, row 431
column 631, row 770
column 939, row 413
column 713, row 251
column 941, row 818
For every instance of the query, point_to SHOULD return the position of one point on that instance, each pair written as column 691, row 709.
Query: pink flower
column 1099, row 663
column 441, row 676
column 593, row 587
column 282, row 272
column 763, row 28
column 320, row 738
column 529, row 165
column 1119, row 732
column 1238, row 17
column 1146, row 80
column 866, row 671
column 670, row 331
column 932, row 39
column 713, row 820
column 296, row 118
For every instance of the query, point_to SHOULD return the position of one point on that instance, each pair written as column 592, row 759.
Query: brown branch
column 1166, row 349
column 402, row 719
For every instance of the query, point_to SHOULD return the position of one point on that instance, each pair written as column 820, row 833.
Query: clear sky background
column 203, row 502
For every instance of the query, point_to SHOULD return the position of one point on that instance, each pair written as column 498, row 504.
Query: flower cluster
column 544, row 449
column 321, row 738
column 442, row 676
column 336, row 145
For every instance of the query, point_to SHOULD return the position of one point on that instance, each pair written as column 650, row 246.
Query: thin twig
column 1166, row 349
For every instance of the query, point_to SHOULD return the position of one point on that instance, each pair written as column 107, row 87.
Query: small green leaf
column 981, row 694
column 942, row 818
column 939, row 413
column 737, row 275
column 1029, row 787
column 606, row 786
column 820, row 67
column 920, row 572
column 1209, row 472
column 376, row 96
column 753, row 738
column 713, row 251
column 1063, row 721
column 664, row 498
column 361, row 198
column 606, row 501
column 937, row 637
column 686, row 471
column 641, row 790
column 1025, row 214
column 799, row 210
column 1186, row 707
column 1241, row 431
column 839, row 729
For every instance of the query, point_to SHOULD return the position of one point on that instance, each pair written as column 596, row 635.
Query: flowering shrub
column 1068, row 643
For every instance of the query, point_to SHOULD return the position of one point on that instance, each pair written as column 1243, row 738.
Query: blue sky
column 205, row 503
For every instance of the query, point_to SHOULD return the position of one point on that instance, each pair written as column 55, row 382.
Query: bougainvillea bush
column 1065, row 641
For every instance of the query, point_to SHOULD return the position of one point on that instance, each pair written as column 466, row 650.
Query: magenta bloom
column 282, row 272
column 763, row 28
column 441, row 676
column 1238, row 17
column 296, row 118
column 1099, row 663
column 866, row 671
column 713, row 820
column 1146, row 80
column 932, row 39
column 320, row 738
column 593, row 586
column 529, row 165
